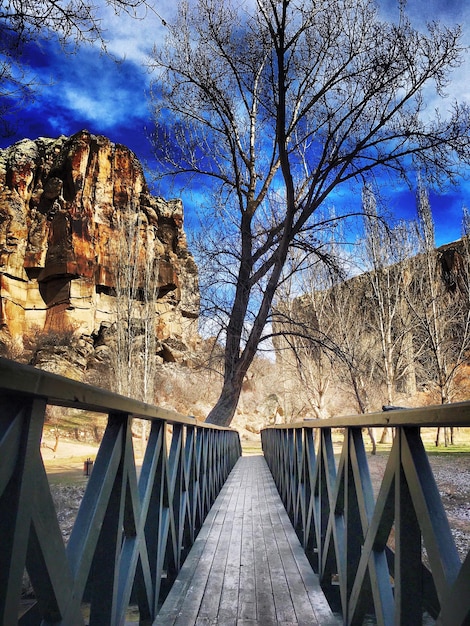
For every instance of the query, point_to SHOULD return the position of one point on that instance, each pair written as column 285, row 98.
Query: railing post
column 352, row 518
column 299, row 485
column 330, row 524
column 309, row 537
column 407, row 569
column 190, row 469
column 21, row 425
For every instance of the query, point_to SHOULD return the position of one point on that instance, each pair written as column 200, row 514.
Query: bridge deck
column 247, row 566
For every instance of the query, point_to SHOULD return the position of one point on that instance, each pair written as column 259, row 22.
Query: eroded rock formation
column 60, row 200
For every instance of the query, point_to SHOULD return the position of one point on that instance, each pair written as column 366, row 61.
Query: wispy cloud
column 132, row 38
column 86, row 90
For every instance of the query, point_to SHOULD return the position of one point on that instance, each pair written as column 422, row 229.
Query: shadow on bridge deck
column 246, row 566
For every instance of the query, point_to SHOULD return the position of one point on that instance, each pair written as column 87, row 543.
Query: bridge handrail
column 132, row 530
column 66, row 392
column 440, row 415
column 345, row 530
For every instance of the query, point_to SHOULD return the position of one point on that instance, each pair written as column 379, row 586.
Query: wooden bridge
column 198, row 534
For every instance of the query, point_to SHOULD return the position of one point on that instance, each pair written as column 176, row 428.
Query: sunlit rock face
column 60, row 200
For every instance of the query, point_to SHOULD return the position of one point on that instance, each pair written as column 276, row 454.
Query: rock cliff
column 62, row 203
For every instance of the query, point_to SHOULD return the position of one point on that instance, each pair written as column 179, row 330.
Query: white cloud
column 96, row 107
column 133, row 38
column 93, row 87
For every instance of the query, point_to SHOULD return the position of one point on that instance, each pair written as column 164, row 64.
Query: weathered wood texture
column 348, row 535
column 131, row 534
column 246, row 567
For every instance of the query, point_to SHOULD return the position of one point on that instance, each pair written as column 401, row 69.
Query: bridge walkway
column 246, row 567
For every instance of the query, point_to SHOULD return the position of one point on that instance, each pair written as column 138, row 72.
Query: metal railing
column 131, row 533
column 346, row 531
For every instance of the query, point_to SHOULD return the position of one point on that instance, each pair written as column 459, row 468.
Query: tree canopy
column 276, row 104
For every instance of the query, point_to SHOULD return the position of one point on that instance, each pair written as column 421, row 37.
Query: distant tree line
column 400, row 325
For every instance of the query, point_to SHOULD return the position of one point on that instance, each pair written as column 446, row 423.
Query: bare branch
column 279, row 105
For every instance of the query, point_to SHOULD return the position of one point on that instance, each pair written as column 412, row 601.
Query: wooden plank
column 303, row 581
column 247, row 567
column 215, row 583
column 200, row 556
column 247, row 597
column 196, row 600
column 284, row 607
column 228, row 607
column 293, row 566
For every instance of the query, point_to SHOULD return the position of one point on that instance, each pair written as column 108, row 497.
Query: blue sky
column 90, row 90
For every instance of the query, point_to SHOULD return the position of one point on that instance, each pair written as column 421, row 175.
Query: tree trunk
column 409, row 380
column 236, row 363
column 385, row 436
column 223, row 411
column 372, row 440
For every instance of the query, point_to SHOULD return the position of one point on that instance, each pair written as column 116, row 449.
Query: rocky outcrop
column 61, row 205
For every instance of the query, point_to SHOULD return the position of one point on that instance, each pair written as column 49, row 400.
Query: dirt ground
column 452, row 474
column 66, row 449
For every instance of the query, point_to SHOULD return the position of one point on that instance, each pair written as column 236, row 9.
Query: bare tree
column 71, row 21
column 14, row 87
column 303, row 324
column 431, row 302
column 355, row 366
column 386, row 254
column 277, row 105
column 440, row 306
column 133, row 358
